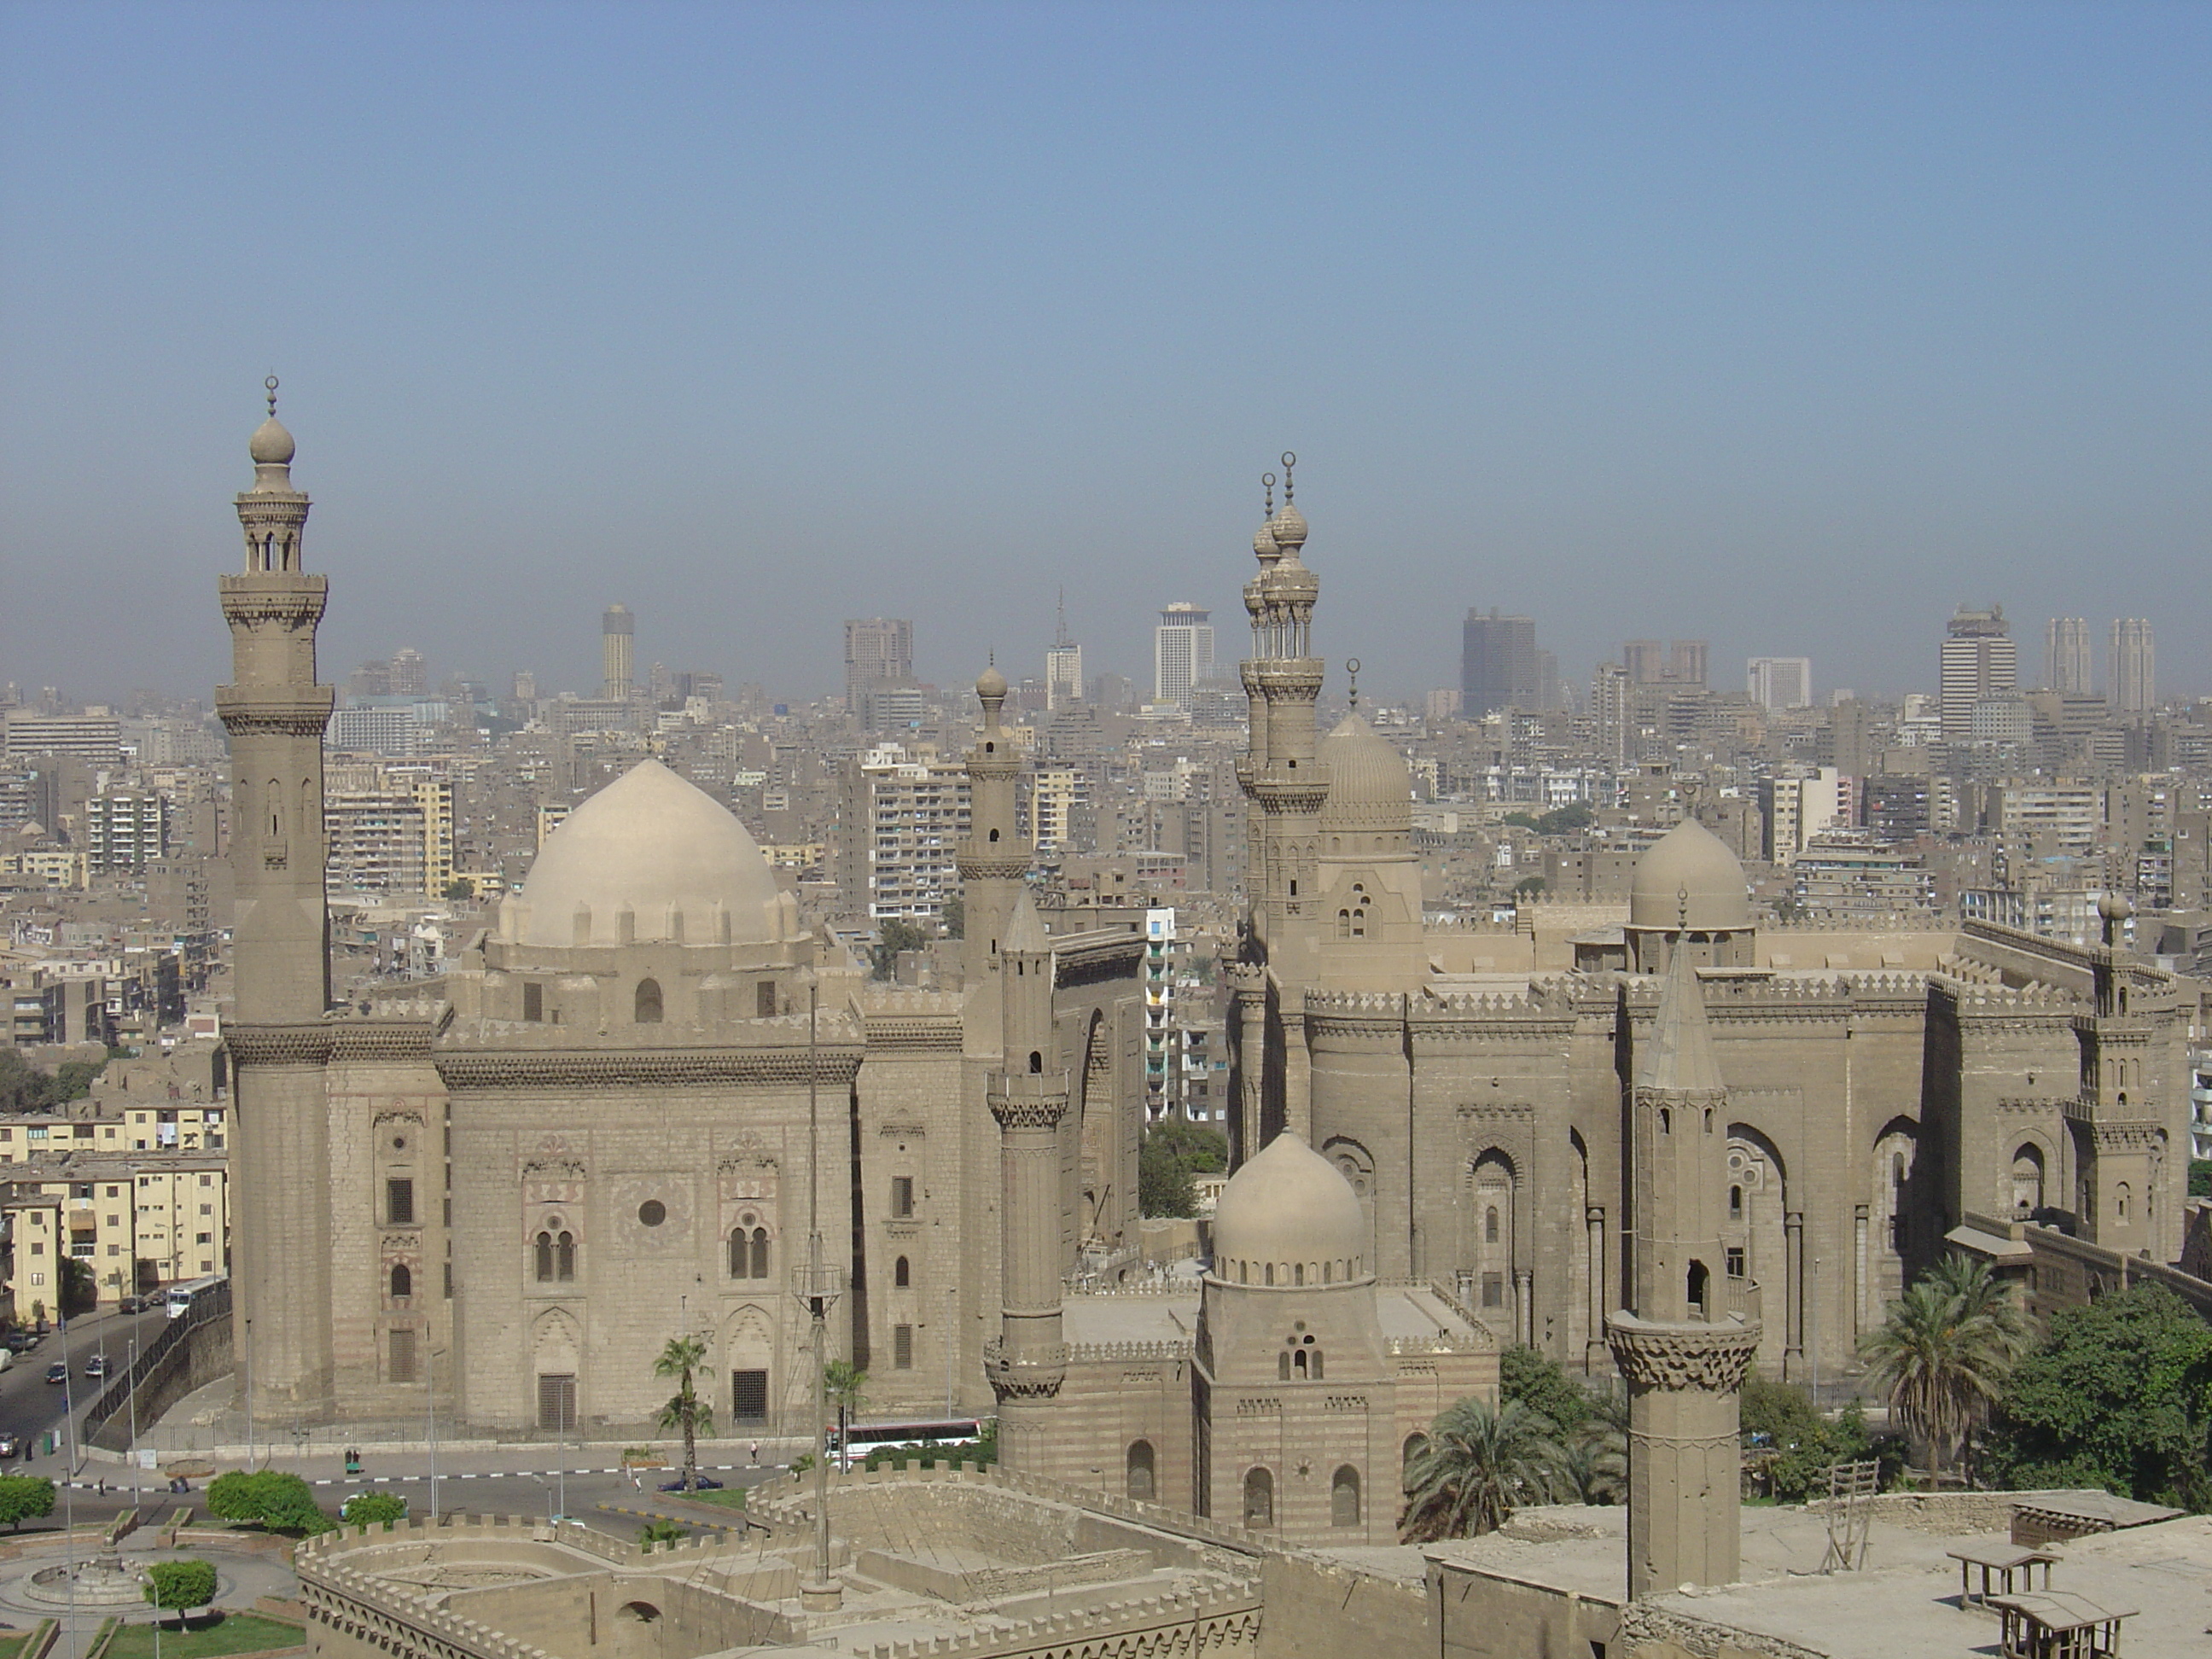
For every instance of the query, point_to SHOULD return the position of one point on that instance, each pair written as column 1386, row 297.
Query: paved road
column 29, row 1405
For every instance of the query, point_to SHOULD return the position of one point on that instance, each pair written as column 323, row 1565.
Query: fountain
column 102, row 1582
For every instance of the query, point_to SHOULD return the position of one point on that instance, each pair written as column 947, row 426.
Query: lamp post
column 147, row 1579
column 249, row 1392
column 430, row 1395
column 816, row 1287
column 131, row 1392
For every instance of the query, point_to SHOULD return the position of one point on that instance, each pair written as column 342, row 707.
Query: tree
column 373, row 1508
column 80, row 1289
column 952, row 915
column 1528, row 887
column 2117, row 1395
column 2200, row 1177
column 279, row 1503
column 685, row 1411
column 180, row 1586
column 846, row 1384
column 893, row 937
column 1173, row 1151
column 25, row 1496
column 1476, row 1468
column 1943, row 1352
column 1526, row 1376
column 1792, row 1445
column 661, row 1530
column 460, row 888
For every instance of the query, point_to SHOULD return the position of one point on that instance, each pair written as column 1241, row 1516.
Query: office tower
column 1182, row 653
column 1609, row 716
column 1777, row 683
column 1497, row 667
column 2131, row 668
column 2066, row 665
column 879, row 651
column 1645, row 661
column 1063, row 668
column 618, row 641
column 410, row 675
column 1685, row 662
column 1977, row 662
column 1444, row 702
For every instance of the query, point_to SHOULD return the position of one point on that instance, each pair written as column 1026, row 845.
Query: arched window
column 1344, row 1497
column 1344, row 923
column 403, row 1282
column 1037, row 1063
column 544, row 1258
column 994, row 835
column 1697, row 1289
column 1490, row 1225
column 741, row 1262
column 1299, row 1272
column 1270, row 1273
column 1299, row 1365
column 760, row 1252
column 564, row 1257
column 1414, row 1446
column 1141, row 1482
column 1282, row 1366
column 1736, row 1204
column 1259, row 1500
column 648, row 1002
column 1666, row 1121
column 1316, row 1364
column 2120, row 1197
column 902, row 1274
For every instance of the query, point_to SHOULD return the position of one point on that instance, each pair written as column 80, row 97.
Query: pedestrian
column 755, row 1454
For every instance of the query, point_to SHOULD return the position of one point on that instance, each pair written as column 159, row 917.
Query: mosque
column 649, row 1102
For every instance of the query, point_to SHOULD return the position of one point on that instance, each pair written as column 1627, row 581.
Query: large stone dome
column 1369, row 789
column 1689, row 864
column 1288, row 1209
column 656, row 846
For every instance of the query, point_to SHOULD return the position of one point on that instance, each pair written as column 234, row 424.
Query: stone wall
column 202, row 1354
column 1484, row 1615
column 1318, row 1609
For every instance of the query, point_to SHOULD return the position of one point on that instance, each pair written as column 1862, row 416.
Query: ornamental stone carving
column 1043, row 1113
column 1711, row 1358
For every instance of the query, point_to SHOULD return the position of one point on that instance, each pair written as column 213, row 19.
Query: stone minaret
column 275, row 714
column 1281, row 773
column 993, row 858
column 1682, row 1351
column 1029, row 1097
column 2119, row 1140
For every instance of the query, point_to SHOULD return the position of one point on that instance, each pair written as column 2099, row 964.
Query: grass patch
column 727, row 1497
column 206, row 1637
column 12, row 1645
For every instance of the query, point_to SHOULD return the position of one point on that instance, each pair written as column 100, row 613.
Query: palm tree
column 685, row 1411
column 846, row 1384
column 1596, row 1460
column 1478, row 1466
column 1943, row 1353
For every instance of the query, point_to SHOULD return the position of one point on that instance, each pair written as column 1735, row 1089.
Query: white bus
column 180, row 1296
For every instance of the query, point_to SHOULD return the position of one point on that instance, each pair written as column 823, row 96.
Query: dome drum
column 1288, row 1220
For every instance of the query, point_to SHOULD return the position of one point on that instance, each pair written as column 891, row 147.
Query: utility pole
column 132, row 1394
column 816, row 1290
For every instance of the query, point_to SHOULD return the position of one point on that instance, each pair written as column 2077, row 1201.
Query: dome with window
column 1289, row 1218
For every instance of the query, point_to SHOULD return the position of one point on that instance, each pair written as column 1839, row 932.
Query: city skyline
column 1646, row 321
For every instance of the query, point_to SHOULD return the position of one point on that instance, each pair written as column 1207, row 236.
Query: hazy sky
column 1788, row 326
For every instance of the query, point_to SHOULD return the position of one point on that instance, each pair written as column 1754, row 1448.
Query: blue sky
column 1789, row 326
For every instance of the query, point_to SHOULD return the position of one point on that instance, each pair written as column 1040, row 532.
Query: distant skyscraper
column 525, row 686
column 1182, row 653
column 1779, row 681
column 1497, row 667
column 2131, row 668
column 1645, row 661
column 1063, row 667
column 1609, row 710
column 2066, row 658
column 1685, row 662
column 410, row 675
column 618, row 641
column 878, row 652
column 1978, row 662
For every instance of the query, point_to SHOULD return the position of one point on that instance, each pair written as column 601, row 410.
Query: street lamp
column 131, row 1390
column 147, row 1579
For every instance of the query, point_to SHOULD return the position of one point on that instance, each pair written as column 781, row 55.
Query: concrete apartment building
column 900, row 819
column 125, row 832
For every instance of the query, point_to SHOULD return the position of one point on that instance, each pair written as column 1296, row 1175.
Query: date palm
column 1478, row 1466
column 1943, row 1352
column 846, row 1385
column 685, row 1411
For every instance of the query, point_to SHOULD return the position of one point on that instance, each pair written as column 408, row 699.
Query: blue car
column 704, row 1483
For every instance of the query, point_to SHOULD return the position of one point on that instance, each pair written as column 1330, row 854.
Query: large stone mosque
column 647, row 1091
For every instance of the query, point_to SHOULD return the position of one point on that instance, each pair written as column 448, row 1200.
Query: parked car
column 11, row 1445
column 58, row 1371
column 20, row 1341
column 704, row 1483
column 6, row 1359
column 96, row 1365
column 130, row 1304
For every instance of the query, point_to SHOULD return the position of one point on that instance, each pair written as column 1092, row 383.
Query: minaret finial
column 1352, row 668
column 271, row 384
column 1682, row 907
column 1268, row 480
column 1289, row 460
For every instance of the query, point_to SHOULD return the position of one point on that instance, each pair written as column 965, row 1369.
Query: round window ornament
column 652, row 1212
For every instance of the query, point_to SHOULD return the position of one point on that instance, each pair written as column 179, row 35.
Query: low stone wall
column 1321, row 1609
column 1648, row 1632
column 201, row 1355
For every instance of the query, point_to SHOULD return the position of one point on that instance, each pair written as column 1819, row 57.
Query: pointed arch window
column 648, row 1002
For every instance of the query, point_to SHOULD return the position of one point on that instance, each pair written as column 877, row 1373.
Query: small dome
column 1689, row 863
column 1370, row 787
column 270, row 444
column 1288, row 529
column 991, row 682
column 1263, row 545
column 651, row 843
column 1288, row 1204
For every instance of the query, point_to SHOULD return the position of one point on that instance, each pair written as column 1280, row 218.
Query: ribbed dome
column 1288, row 1204
column 652, row 843
column 270, row 444
column 991, row 683
column 1689, row 864
column 1369, row 787
column 1288, row 529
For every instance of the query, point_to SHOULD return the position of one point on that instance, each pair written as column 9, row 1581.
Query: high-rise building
column 878, row 652
column 1685, row 662
column 1609, row 711
column 1645, row 661
column 125, row 831
column 2131, row 668
column 618, row 644
column 1497, row 665
column 1977, row 662
column 1776, row 682
column 900, row 821
column 1674, row 662
column 1182, row 653
column 2066, row 659
column 410, row 675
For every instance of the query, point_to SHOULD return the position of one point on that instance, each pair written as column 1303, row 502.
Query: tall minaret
column 2118, row 1134
column 275, row 714
column 1029, row 1098
column 1683, row 1353
column 993, row 857
column 1281, row 772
